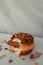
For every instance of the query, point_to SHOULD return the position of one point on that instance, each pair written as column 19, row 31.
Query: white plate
column 17, row 60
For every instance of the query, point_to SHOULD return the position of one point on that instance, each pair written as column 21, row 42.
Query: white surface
column 21, row 15
column 17, row 60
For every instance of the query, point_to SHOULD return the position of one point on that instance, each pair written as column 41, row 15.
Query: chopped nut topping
column 24, row 37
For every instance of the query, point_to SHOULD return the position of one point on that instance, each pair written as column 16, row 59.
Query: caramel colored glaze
column 11, row 49
column 26, row 42
column 25, row 52
column 14, row 44
column 26, row 39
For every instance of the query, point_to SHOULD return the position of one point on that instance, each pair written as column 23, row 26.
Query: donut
column 21, row 43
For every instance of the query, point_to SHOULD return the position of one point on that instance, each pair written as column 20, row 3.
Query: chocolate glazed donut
column 21, row 43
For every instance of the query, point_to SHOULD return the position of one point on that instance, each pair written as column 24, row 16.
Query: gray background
column 21, row 16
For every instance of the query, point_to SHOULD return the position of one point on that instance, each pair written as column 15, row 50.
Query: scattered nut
column 23, row 58
column 10, row 61
column 0, row 47
column 6, row 48
column 1, row 57
column 36, row 64
column 35, row 55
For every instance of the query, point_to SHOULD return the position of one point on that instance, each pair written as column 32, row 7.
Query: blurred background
column 21, row 16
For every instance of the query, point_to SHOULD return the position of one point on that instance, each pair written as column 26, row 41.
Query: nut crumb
column 0, row 42
column 11, row 50
column 6, row 48
column 5, row 41
column 35, row 55
column 10, row 61
column 36, row 64
column 23, row 58
column 0, row 47
column 3, row 56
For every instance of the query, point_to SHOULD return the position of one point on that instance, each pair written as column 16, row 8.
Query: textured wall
column 21, row 15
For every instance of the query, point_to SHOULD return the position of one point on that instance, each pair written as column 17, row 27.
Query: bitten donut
column 21, row 43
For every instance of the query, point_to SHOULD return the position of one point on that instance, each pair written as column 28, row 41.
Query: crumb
column 35, row 55
column 18, row 55
column 5, row 41
column 23, row 58
column 10, row 61
column 6, row 48
column 0, row 47
column 11, row 50
column 0, row 42
column 36, row 64
column 31, row 56
column 3, row 56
